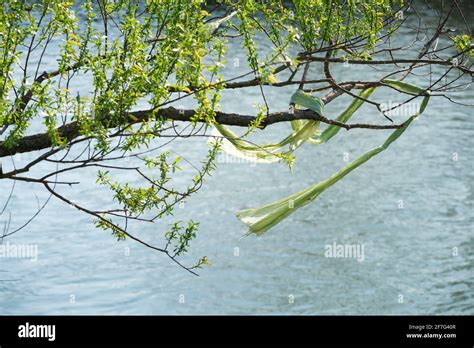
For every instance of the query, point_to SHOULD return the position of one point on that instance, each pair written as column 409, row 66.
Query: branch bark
column 71, row 130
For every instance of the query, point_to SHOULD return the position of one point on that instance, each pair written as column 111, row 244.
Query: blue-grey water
column 411, row 208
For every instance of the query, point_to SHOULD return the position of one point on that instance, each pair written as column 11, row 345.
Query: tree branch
column 71, row 130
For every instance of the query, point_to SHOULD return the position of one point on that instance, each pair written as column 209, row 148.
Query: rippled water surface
column 411, row 208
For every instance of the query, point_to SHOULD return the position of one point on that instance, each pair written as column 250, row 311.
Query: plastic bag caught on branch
column 262, row 218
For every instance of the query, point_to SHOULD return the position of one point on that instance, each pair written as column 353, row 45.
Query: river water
column 411, row 208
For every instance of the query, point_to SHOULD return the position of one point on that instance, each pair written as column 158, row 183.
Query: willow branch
column 71, row 130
